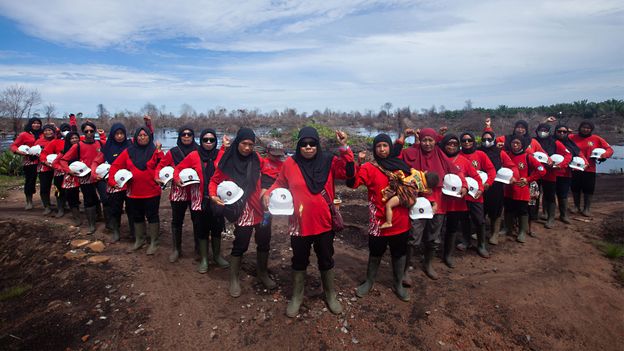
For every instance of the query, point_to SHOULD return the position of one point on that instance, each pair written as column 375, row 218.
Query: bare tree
column 50, row 111
column 150, row 110
column 16, row 103
column 188, row 111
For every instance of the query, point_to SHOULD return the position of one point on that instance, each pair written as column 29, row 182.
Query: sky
column 345, row 55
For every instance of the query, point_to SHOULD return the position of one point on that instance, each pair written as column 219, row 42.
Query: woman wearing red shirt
column 71, row 184
column 564, row 174
column 46, row 173
column 242, row 165
column 517, row 194
column 310, row 175
column 29, row 136
column 371, row 176
column 55, row 147
column 141, row 159
column 206, row 222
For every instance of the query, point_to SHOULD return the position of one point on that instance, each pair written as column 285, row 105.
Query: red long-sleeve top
column 559, row 170
column 375, row 181
column 530, row 169
column 312, row 215
column 481, row 162
column 84, row 152
column 142, row 185
column 193, row 161
column 25, row 138
column 55, row 147
column 587, row 145
column 43, row 142
column 253, row 211
column 176, row 193
column 464, row 169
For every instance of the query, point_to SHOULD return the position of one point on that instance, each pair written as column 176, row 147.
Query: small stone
column 85, row 338
column 78, row 243
column 96, row 246
column 74, row 255
column 353, row 299
column 441, row 343
column 213, row 335
column 102, row 317
column 427, row 312
column 354, row 340
column 528, row 338
column 344, row 330
column 90, row 322
column 98, row 259
column 215, row 328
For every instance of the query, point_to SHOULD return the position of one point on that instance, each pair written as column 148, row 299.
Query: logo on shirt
column 475, row 164
column 590, row 143
column 521, row 165
column 540, row 168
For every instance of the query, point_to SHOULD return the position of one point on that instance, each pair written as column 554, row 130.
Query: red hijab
column 433, row 161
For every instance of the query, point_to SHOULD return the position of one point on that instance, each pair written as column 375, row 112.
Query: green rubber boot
column 139, row 236
column 428, row 262
column 577, row 202
column 550, row 211
column 481, row 242
column 45, row 200
column 235, row 264
column 153, row 229
column 176, row 238
column 563, row 211
column 509, row 224
column 327, row 277
column 449, row 248
column 494, row 228
column 29, row 203
column 587, row 200
column 203, row 252
column 371, row 273
column 114, row 223
column 262, row 270
column 398, row 265
column 216, row 253
column 90, row 212
column 76, row 216
column 60, row 204
column 297, row 296
column 524, row 227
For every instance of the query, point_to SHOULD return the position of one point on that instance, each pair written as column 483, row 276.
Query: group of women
column 310, row 176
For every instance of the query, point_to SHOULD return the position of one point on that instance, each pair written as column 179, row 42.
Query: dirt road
column 556, row 292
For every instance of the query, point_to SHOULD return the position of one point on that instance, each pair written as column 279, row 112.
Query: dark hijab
column 565, row 140
column 207, row 157
column 50, row 127
column 474, row 143
column 68, row 143
column 526, row 138
column 522, row 142
column 244, row 170
column 315, row 171
column 392, row 162
column 492, row 152
column 182, row 150
column 549, row 144
column 112, row 148
column 445, row 140
column 141, row 154
column 28, row 127
column 586, row 123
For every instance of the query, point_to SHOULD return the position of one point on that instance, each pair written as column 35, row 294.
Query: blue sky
column 345, row 55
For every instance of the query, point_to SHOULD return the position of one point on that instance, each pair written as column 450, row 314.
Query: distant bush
column 10, row 164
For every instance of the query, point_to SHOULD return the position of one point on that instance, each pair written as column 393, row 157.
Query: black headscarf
column 445, row 140
column 392, row 162
column 207, row 157
column 526, row 138
column 315, row 170
column 549, row 144
column 68, row 143
column 28, row 127
column 516, row 137
column 181, row 150
column 492, row 152
column 141, row 154
column 89, row 124
column 587, row 123
column 50, row 127
column 474, row 143
column 244, row 170
column 112, row 148
column 64, row 127
column 565, row 140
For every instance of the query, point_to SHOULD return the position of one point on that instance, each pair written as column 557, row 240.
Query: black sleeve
column 266, row 181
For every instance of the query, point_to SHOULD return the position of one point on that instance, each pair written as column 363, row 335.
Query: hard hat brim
column 278, row 212
column 235, row 198
column 451, row 193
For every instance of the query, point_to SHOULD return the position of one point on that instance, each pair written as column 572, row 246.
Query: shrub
column 10, row 164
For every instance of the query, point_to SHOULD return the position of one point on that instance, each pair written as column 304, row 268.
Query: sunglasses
column 88, row 131
column 186, row 134
column 562, row 131
column 209, row 140
column 308, row 144
column 467, row 141
column 452, row 143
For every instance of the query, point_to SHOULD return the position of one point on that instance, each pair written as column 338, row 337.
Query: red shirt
column 193, row 161
column 142, row 184
column 464, row 169
column 43, row 142
column 88, row 154
column 552, row 173
column 531, row 148
column 526, row 164
column 371, row 177
column 24, row 138
column 587, row 145
column 481, row 162
column 177, row 193
column 312, row 216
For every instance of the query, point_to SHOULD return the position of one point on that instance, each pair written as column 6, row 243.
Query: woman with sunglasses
column 243, row 166
column 86, row 151
column 564, row 174
column 30, row 135
column 310, row 176
column 521, row 129
column 55, row 147
column 179, row 197
column 493, row 196
column 46, row 173
column 479, row 162
column 206, row 223
column 141, row 159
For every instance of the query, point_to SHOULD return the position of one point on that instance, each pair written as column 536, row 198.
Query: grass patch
column 13, row 292
column 9, row 182
column 610, row 250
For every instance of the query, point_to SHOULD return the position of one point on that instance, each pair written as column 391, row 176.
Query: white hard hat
column 122, row 177
column 24, row 148
column 556, row 158
column 578, row 163
column 51, row 157
column 229, row 192
column 473, row 186
column 421, row 210
column 504, row 175
column 281, row 202
column 596, row 153
column 79, row 168
column 484, row 176
column 452, row 185
column 540, row 156
column 188, row 176
column 166, row 174
column 102, row 170
column 35, row 150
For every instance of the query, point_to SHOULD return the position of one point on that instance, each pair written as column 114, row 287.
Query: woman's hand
column 463, row 191
column 341, row 137
column 158, row 145
column 265, row 201
column 488, row 122
column 522, row 182
column 159, row 182
column 361, row 156
column 226, row 141
column 478, row 194
column 217, row 200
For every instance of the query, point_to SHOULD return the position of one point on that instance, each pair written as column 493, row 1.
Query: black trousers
column 45, row 183
column 398, row 245
column 563, row 188
column 583, row 181
column 144, row 208
column 116, row 203
column 178, row 210
column 454, row 219
column 206, row 224
column 58, row 184
column 242, row 237
column 323, row 247
column 516, row 207
column 73, row 197
column 493, row 200
column 102, row 193
column 89, row 195
column 549, row 189
column 30, row 179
